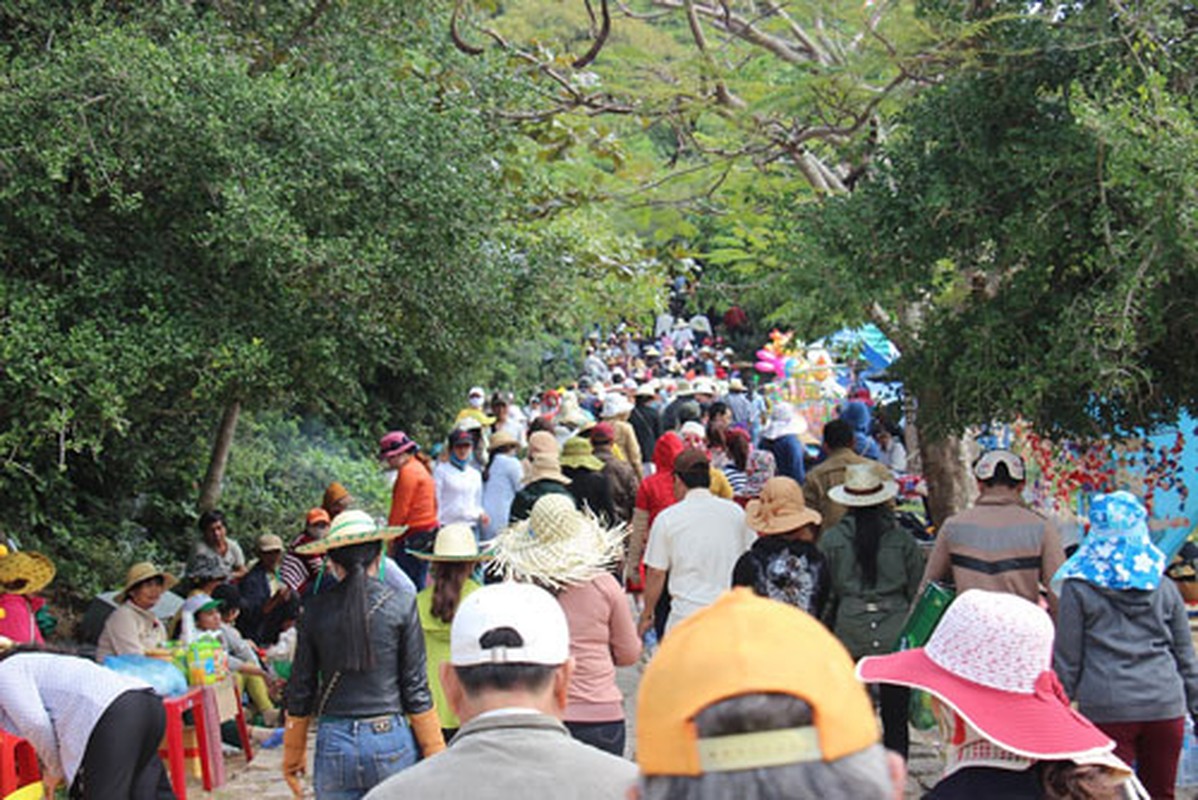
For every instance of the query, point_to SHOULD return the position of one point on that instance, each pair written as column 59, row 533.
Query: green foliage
column 1027, row 235
column 180, row 228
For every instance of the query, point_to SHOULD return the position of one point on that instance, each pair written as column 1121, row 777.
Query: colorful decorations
column 1063, row 476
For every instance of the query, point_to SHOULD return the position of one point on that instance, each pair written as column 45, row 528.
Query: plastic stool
column 176, row 753
column 18, row 765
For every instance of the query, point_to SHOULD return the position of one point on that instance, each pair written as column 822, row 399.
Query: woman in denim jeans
column 359, row 668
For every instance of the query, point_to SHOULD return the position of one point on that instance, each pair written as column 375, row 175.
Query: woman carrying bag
column 875, row 569
column 359, row 669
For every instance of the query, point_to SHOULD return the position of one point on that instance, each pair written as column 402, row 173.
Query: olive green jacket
column 867, row 620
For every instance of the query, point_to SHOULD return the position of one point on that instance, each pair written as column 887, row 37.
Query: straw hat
column 144, row 571
column 990, row 660
column 351, row 527
column 25, row 573
column 558, row 545
column 455, row 542
column 780, row 508
column 503, row 439
column 543, row 458
column 863, row 486
column 578, row 453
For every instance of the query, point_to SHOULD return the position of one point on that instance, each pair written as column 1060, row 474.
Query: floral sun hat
column 1118, row 553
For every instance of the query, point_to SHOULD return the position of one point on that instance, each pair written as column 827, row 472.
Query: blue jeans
column 355, row 755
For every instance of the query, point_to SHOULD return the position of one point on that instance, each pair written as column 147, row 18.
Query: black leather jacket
column 398, row 684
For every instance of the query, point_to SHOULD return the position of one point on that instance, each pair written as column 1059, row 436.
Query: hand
column 645, row 623
column 50, row 785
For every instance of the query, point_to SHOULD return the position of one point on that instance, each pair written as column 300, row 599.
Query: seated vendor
column 133, row 628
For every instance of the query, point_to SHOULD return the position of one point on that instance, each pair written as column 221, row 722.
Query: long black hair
column 356, row 653
column 870, row 522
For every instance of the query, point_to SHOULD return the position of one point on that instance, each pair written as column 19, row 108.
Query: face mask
column 476, row 402
column 460, row 463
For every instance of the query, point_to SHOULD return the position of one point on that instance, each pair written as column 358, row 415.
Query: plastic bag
column 163, row 677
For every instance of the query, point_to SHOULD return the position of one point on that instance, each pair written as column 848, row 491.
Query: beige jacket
column 129, row 630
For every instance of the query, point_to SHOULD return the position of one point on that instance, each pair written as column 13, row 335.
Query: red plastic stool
column 18, row 764
column 176, row 754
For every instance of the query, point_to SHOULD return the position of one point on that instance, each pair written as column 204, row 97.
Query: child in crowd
column 217, row 614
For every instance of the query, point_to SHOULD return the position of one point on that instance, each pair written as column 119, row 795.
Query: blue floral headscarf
column 1118, row 553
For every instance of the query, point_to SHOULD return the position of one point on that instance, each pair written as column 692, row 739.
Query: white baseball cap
column 530, row 611
column 988, row 463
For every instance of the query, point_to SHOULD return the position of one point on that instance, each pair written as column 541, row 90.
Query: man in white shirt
column 697, row 541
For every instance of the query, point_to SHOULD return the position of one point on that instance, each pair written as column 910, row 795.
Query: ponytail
column 356, row 654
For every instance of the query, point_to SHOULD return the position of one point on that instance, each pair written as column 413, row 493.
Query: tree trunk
column 215, row 476
column 948, row 482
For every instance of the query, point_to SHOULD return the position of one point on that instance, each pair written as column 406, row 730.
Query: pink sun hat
column 990, row 660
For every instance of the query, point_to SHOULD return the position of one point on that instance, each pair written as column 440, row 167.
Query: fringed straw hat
column 557, row 546
column 24, row 572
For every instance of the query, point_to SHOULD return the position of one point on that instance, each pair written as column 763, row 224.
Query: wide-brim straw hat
column 455, row 542
column 501, row 439
column 144, row 571
column 546, row 466
column 863, row 486
column 990, row 660
column 781, row 508
column 351, row 527
column 557, row 545
column 25, row 573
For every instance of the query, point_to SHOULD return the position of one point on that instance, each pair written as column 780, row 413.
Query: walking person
column 453, row 559
column 1123, row 649
column 570, row 554
column 413, row 502
column 359, row 669
column 1010, row 733
column 501, row 481
column 875, row 567
column 784, row 563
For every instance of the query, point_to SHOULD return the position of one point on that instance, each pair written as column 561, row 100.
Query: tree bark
column 223, row 443
column 945, row 471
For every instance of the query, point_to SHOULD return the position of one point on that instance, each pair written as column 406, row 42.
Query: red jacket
column 657, row 491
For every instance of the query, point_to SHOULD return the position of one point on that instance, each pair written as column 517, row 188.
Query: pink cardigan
column 602, row 637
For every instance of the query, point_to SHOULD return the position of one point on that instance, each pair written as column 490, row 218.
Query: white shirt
column 895, row 456
column 697, row 540
column 459, row 493
column 55, row 701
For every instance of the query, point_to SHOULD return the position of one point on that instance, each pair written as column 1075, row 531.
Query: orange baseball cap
column 318, row 515
column 745, row 644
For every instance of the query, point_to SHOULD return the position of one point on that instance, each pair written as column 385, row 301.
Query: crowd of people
column 660, row 511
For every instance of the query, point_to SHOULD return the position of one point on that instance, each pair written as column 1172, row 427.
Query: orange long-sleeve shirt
column 413, row 498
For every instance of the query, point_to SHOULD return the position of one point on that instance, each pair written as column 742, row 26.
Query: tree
column 180, row 237
column 1028, row 233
